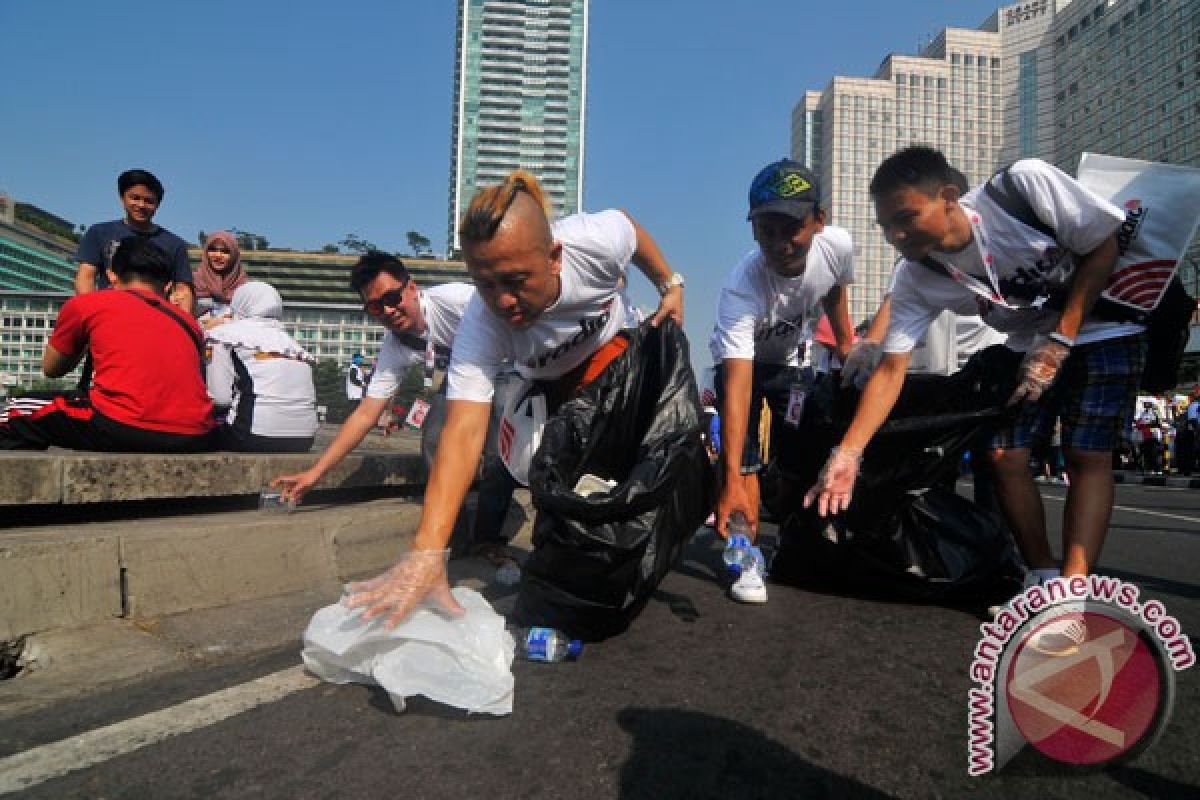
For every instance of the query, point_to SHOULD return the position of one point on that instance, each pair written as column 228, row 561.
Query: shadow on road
column 686, row 754
column 1155, row 584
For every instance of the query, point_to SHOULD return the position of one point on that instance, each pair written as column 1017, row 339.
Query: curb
column 1169, row 481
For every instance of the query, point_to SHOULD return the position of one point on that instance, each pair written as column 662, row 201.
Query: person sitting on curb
column 262, row 376
column 767, row 309
column 219, row 275
column 548, row 301
column 148, row 392
column 966, row 253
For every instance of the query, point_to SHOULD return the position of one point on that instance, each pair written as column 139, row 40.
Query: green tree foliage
column 330, row 381
column 418, row 243
column 353, row 243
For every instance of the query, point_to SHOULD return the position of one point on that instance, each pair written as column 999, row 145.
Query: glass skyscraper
column 520, row 99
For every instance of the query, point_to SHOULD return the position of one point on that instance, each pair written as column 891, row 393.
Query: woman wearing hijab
column 262, row 375
column 219, row 275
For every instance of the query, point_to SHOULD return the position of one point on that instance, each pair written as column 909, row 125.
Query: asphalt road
column 816, row 694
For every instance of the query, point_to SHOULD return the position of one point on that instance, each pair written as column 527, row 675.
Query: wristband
column 1065, row 341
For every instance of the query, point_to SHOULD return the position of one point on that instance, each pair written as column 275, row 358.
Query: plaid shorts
column 1094, row 396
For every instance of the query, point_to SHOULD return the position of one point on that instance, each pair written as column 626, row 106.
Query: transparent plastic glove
column 418, row 575
column 835, row 484
column 1039, row 368
column 861, row 361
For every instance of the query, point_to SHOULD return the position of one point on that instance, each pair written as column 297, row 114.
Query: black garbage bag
column 597, row 559
column 904, row 531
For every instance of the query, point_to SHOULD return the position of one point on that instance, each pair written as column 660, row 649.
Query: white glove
column 835, row 484
column 417, row 576
column 861, row 361
column 1039, row 368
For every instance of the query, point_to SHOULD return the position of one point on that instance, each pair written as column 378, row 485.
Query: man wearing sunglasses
column 421, row 326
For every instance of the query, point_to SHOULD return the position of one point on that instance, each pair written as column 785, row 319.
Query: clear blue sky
column 304, row 121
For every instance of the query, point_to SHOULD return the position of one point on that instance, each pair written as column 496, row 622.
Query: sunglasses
column 391, row 299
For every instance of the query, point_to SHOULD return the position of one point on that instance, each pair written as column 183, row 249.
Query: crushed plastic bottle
column 739, row 552
column 546, row 644
column 272, row 500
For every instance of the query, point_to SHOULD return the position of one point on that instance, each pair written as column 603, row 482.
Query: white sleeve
column 394, row 359
column 844, row 252
column 911, row 315
column 1080, row 218
column 602, row 244
column 220, row 374
column 739, row 308
column 479, row 350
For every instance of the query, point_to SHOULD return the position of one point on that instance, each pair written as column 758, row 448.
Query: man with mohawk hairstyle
column 549, row 302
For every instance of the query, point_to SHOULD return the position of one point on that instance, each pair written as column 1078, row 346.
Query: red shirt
column 147, row 368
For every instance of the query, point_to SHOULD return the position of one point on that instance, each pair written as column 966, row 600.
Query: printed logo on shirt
column 1032, row 285
column 588, row 327
column 779, row 327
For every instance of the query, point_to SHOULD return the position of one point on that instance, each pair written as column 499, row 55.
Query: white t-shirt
column 443, row 307
column 587, row 314
column 1013, row 264
column 764, row 316
column 268, row 395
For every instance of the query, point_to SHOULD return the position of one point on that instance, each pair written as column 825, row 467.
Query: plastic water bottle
column 739, row 552
column 272, row 500
column 547, row 644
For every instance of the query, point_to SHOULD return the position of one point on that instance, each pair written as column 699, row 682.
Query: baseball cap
column 785, row 187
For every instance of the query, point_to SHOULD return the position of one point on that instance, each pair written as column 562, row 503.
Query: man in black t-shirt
column 141, row 193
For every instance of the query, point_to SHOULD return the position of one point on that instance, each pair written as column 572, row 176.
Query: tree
column 329, row 248
column 418, row 243
column 354, row 244
column 250, row 241
column 329, row 379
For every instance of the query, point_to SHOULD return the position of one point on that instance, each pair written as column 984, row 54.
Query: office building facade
column 520, row 99
column 946, row 96
column 1048, row 79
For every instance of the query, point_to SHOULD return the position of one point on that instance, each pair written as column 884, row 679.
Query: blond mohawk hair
column 489, row 205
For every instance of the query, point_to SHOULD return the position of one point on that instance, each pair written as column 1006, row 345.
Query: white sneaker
column 1060, row 637
column 749, row 587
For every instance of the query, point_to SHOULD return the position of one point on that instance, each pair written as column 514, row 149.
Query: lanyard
column 970, row 282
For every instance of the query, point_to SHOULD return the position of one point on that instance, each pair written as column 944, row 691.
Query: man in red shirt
column 147, row 393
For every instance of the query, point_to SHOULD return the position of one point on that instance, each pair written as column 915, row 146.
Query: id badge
column 795, row 406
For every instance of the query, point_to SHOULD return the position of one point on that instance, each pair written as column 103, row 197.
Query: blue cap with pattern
column 785, row 187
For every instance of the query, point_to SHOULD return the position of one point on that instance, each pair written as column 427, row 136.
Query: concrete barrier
column 71, row 478
column 145, row 568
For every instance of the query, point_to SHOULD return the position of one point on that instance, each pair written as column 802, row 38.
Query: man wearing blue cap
column 766, row 313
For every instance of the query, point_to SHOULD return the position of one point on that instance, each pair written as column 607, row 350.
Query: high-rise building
column 1048, row 79
column 946, row 96
column 520, row 97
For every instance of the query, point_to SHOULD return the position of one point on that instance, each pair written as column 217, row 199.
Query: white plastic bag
column 464, row 662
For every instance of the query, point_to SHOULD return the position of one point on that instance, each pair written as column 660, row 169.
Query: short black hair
column 140, row 177
column 368, row 267
column 138, row 257
column 917, row 167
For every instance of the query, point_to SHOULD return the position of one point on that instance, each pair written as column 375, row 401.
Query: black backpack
column 1167, row 324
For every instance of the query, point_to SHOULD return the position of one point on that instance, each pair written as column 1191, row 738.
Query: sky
column 305, row 121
